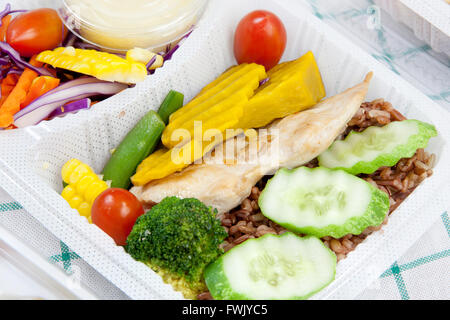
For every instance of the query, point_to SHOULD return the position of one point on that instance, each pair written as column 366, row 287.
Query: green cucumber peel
column 373, row 215
column 221, row 288
column 218, row 284
column 417, row 141
column 139, row 143
column 173, row 102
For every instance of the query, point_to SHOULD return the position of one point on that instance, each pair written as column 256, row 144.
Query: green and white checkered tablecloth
column 421, row 273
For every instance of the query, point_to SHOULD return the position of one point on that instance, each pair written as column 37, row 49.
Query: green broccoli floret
column 178, row 238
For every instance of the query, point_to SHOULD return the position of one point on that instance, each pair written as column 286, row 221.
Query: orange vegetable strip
column 39, row 86
column 17, row 96
column 5, row 23
column 8, row 85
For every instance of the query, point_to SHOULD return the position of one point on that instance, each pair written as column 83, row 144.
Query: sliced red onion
column 15, row 56
column 7, row 11
column 40, row 108
column 71, row 108
column 70, row 40
column 14, row 71
column 170, row 52
column 7, row 70
column 151, row 62
column 16, row 11
column 76, row 82
column 4, row 61
column 263, row 81
column 85, row 46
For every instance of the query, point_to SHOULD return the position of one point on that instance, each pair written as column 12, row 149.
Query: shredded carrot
column 8, row 85
column 5, row 23
column 39, row 86
column 18, row 95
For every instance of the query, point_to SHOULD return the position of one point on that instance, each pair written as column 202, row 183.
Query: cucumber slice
column 137, row 145
column 171, row 103
column 272, row 267
column 378, row 147
column 323, row 202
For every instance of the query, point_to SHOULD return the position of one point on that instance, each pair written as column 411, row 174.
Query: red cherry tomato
column 35, row 31
column 115, row 211
column 260, row 38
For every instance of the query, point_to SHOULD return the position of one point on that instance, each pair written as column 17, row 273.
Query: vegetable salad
column 48, row 72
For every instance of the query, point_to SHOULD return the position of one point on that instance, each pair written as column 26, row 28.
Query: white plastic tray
column 429, row 19
column 31, row 159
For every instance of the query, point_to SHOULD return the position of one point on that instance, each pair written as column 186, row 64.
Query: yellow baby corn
column 102, row 65
column 83, row 186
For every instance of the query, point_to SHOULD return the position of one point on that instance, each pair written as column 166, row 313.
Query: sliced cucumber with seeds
column 323, row 202
column 378, row 147
column 272, row 267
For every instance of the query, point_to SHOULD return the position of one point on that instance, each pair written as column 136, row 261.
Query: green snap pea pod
column 171, row 103
column 137, row 145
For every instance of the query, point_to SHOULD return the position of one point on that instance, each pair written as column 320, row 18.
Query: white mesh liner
column 31, row 158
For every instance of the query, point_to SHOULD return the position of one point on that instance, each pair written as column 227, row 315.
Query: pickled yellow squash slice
column 219, row 106
column 292, row 87
column 165, row 162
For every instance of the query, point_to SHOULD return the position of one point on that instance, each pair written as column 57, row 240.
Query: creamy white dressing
column 125, row 24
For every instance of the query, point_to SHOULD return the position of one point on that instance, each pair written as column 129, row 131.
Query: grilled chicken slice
column 290, row 142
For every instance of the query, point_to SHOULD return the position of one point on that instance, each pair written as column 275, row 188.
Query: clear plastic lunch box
column 31, row 158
